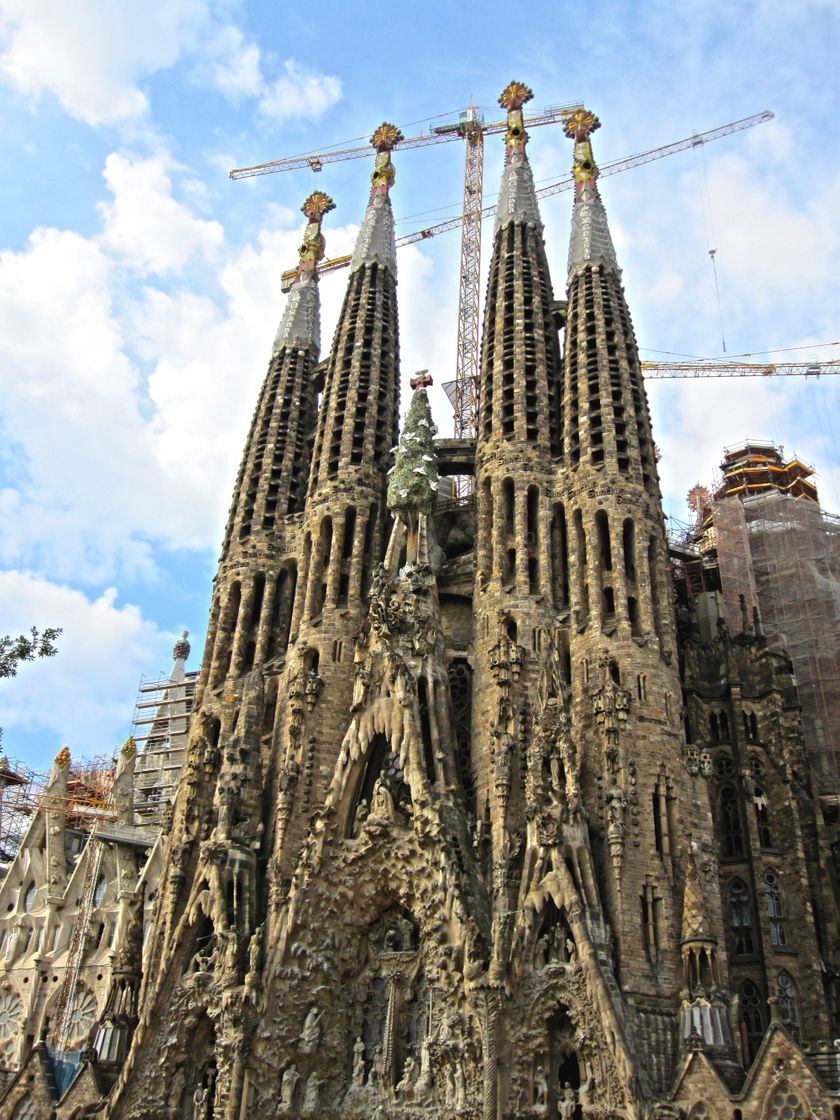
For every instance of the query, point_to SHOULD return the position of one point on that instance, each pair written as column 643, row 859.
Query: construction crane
column 655, row 371
column 472, row 129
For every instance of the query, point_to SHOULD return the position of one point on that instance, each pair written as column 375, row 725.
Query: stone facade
column 462, row 829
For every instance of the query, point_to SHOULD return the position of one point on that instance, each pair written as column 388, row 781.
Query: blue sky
column 140, row 287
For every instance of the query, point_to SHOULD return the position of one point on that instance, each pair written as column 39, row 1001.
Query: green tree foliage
column 414, row 480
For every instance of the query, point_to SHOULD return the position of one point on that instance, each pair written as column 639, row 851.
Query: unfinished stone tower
column 446, row 843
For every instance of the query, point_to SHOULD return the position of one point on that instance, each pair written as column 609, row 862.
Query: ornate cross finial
column 513, row 97
column 579, row 127
column 421, row 380
column 384, row 139
column 581, row 124
column 317, row 205
column 312, row 250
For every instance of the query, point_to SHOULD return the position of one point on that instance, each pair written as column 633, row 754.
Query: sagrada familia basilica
column 471, row 822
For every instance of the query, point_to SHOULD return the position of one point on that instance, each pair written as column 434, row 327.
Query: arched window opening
column 460, row 688
column 731, row 828
column 29, row 896
column 788, row 1007
column 724, row 727
column 426, row 729
column 615, row 672
column 367, row 551
column 602, row 526
column 751, row 1020
column 753, row 727
column 633, row 616
column 509, row 507
column 487, row 521
column 775, row 912
column 533, row 508
column 99, row 890
column 510, row 629
column 785, row 1103
column 740, row 919
column 582, row 574
column 628, row 542
column 714, row 728
column 560, row 557
column 762, row 817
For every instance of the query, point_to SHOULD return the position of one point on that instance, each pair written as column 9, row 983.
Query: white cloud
column 127, row 403
column 92, row 55
column 91, row 681
column 299, row 92
column 145, row 225
column 232, row 65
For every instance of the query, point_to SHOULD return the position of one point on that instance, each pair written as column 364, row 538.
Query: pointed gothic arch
column 785, row 1102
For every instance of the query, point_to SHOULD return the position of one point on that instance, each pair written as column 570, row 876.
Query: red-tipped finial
column 580, row 125
column 515, row 95
column 317, row 205
column 386, row 137
column 421, row 380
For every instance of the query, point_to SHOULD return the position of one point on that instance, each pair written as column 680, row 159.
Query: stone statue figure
column 358, row 1063
column 311, row 1035
column 566, row 1103
column 200, row 1103
column 287, row 1088
column 540, row 1090
column 407, row 1080
column 310, row 1094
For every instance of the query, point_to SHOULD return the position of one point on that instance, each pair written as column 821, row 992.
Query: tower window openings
column 460, row 687
column 714, row 728
column 731, row 825
column 367, row 549
column 762, row 817
column 651, row 906
column 281, row 617
column 560, row 557
column 788, row 1007
column 751, row 1022
column 321, row 568
column 775, row 910
column 582, row 574
column 426, row 729
column 740, row 919
column 641, row 686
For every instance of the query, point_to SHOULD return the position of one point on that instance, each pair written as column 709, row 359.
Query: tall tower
column 250, row 617
column 344, row 517
column 516, row 440
column 647, row 813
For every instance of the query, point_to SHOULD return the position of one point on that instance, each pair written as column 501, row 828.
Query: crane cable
column 710, row 232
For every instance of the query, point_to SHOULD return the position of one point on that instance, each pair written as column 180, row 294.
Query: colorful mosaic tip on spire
column 384, row 140
column 62, row 759
column 512, row 98
column 129, row 748
column 579, row 127
column 312, row 250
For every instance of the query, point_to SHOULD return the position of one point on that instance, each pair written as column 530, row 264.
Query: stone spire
column 517, row 194
column 590, row 243
column 375, row 243
column 358, row 417
column 520, row 359
column 301, row 322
